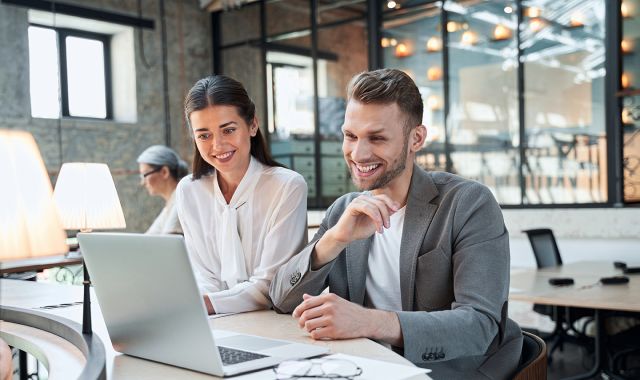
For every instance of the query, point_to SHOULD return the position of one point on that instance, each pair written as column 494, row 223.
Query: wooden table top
column 37, row 263
column 28, row 294
column 532, row 285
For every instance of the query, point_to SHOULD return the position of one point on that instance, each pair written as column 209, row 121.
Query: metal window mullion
column 374, row 25
column 613, row 123
column 165, row 74
column 316, row 105
column 108, row 89
column 263, row 60
column 445, row 86
column 64, row 80
column 521, row 105
column 216, row 38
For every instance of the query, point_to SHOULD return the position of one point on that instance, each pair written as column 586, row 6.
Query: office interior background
column 537, row 99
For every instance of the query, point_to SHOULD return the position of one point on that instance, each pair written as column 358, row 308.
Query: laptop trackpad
column 249, row 343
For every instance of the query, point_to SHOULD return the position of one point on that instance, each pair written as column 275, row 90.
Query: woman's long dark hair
column 220, row 90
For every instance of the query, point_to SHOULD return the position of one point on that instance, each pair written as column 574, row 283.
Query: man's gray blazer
column 454, row 278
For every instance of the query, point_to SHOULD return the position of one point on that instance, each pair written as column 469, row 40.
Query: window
column 630, row 94
column 69, row 73
column 537, row 99
column 517, row 104
column 308, row 61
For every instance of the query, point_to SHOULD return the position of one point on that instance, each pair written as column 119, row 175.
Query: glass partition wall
column 514, row 93
column 311, row 49
column 483, row 119
column 290, row 88
column 525, row 96
column 412, row 41
column 563, row 48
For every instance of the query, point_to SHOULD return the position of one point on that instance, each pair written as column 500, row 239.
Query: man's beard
column 390, row 174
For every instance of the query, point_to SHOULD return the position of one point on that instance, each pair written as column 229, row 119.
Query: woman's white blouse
column 167, row 221
column 271, row 208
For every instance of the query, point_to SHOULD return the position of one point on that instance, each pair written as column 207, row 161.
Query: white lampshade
column 29, row 222
column 87, row 198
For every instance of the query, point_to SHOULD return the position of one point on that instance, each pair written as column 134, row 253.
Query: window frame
column 376, row 12
column 61, row 35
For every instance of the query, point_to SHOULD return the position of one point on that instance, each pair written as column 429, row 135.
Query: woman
column 160, row 171
column 243, row 214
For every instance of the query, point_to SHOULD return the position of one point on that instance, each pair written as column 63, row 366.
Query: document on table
column 371, row 370
column 214, row 316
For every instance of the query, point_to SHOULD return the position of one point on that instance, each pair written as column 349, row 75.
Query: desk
column 531, row 285
column 37, row 264
column 27, row 294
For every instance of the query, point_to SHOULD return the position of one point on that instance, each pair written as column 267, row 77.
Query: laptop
column 153, row 308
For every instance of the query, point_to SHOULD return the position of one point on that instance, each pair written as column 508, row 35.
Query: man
column 419, row 260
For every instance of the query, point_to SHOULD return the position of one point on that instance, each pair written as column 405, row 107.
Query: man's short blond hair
column 386, row 86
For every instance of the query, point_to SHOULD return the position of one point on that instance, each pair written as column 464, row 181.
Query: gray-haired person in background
column 160, row 171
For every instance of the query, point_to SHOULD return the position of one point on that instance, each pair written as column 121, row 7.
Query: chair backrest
column 533, row 360
column 544, row 247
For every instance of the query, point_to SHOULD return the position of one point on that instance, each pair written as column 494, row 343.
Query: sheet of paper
column 371, row 370
column 214, row 316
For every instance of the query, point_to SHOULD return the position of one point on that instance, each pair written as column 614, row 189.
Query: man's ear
column 418, row 137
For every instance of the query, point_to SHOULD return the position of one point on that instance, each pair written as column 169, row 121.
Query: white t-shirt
column 383, row 270
column 167, row 221
column 270, row 209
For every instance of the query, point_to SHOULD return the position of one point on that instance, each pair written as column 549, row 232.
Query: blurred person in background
column 160, row 171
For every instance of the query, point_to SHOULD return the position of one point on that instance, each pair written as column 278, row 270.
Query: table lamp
column 29, row 221
column 30, row 227
column 87, row 199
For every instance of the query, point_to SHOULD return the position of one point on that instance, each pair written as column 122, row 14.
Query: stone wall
column 116, row 144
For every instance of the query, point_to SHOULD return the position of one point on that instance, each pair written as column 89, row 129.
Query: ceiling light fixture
column 453, row 26
column 469, row 38
column 402, row 50
column 625, row 9
column 434, row 103
column 536, row 24
column 434, row 44
column 626, row 45
column 501, row 32
column 625, row 80
column 533, row 12
column 434, row 73
column 577, row 19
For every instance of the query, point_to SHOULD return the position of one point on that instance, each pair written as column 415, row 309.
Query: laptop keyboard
column 231, row 356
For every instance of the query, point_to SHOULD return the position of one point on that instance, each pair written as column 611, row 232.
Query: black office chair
column 547, row 254
column 533, row 363
column 545, row 248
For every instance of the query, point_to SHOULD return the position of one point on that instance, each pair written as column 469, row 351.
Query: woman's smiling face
column 223, row 138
